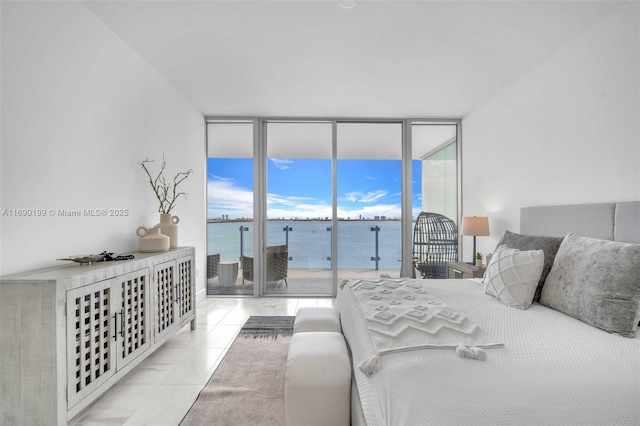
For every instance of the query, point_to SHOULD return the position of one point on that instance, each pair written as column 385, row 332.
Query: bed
column 542, row 366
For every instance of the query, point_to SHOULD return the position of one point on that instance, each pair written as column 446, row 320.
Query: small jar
column 152, row 240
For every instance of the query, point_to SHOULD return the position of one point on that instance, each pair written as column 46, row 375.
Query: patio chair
column 277, row 265
column 435, row 242
column 212, row 265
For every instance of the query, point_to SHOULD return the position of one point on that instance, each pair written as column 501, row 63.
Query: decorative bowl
column 87, row 258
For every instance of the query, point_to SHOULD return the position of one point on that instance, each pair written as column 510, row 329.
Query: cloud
column 370, row 178
column 220, row 178
column 281, row 163
column 388, row 210
column 300, row 211
column 297, row 207
column 225, row 197
column 369, row 197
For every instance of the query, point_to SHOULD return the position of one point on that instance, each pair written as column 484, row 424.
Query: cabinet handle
column 115, row 325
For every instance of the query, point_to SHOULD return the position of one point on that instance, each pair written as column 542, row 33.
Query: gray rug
column 272, row 326
column 247, row 388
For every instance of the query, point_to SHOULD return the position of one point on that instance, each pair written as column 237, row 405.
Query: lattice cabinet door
column 91, row 357
column 133, row 301
column 165, row 298
column 184, row 287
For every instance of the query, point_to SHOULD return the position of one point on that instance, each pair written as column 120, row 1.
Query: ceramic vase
column 151, row 240
column 479, row 263
column 169, row 226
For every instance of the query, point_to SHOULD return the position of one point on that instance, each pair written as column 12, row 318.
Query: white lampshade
column 475, row 225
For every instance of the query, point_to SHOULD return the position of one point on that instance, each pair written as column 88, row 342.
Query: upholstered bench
column 318, row 380
column 317, row 319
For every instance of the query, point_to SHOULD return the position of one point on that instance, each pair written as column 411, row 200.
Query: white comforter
column 553, row 369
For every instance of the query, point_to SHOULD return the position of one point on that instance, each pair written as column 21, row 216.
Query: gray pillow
column 598, row 282
column 549, row 245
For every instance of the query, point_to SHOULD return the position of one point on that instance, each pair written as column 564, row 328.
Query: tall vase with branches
column 167, row 194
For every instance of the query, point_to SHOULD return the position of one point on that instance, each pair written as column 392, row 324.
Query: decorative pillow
column 513, row 275
column 549, row 245
column 598, row 282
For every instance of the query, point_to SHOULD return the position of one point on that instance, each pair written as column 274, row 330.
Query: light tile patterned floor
column 163, row 387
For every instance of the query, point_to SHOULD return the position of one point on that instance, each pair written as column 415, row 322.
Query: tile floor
column 162, row 388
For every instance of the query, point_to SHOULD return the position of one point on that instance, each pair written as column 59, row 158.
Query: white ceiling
column 315, row 58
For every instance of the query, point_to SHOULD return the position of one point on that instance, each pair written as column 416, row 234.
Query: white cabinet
column 69, row 333
column 108, row 326
column 132, row 332
column 185, row 291
column 91, row 353
column 174, row 296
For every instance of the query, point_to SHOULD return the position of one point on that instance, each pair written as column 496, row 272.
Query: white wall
column 566, row 132
column 80, row 110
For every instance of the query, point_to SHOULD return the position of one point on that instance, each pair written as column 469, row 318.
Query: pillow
column 512, row 276
column 598, row 282
column 549, row 245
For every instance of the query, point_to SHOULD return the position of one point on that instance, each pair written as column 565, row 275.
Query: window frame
column 260, row 185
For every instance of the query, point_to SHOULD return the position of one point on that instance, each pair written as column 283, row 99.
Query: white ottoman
column 318, row 380
column 317, row 319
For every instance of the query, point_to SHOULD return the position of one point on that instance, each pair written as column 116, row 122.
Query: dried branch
column 167, row 194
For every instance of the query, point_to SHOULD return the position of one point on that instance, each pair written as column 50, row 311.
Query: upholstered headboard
column 608, row 221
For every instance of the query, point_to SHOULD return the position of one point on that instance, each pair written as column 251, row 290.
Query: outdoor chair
column 212, row 265
column 435, row 242
column 277, row 265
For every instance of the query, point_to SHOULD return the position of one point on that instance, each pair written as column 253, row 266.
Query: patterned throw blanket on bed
column 401, row 315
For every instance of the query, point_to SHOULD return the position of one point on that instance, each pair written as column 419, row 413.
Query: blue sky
column 301, row 188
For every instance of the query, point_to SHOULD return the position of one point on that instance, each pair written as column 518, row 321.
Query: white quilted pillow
column 513, row 275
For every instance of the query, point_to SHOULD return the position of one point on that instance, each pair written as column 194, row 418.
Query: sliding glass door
column 296, row 205
column 229, row 207
column 369, row 195
column 299, row 213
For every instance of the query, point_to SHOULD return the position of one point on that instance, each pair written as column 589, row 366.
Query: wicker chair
column 212, row 265
column 277, row 265
column 435, row 242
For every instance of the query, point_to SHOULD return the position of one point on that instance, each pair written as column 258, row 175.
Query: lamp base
column 473, row 254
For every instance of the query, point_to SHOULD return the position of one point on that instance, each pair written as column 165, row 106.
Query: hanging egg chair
column 435, row 242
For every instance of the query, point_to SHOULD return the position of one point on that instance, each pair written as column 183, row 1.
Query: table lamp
column 476, row 226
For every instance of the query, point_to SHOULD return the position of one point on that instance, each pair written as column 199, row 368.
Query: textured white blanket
column 553, row 369
column 401, row 315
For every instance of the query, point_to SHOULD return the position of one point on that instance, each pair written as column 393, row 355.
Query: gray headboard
column 608, row 221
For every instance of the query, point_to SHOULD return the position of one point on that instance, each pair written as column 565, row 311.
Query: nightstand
column 464, row 270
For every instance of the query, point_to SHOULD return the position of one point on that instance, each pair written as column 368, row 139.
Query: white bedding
column 553, row 369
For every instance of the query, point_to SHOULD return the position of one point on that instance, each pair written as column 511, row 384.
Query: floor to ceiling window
column 229, row 207
column 295, row 205
column 299, row 213
column 435, row 197
column 369, row 198
column 435, row 169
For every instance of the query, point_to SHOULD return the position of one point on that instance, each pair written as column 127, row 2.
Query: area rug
column 247, row 388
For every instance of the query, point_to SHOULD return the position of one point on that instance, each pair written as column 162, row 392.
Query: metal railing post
column 376, row 229
column 286, row 230
column 329, row 229
column 242, row 229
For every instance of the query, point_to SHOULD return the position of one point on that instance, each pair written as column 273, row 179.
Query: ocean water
column 310, row 242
